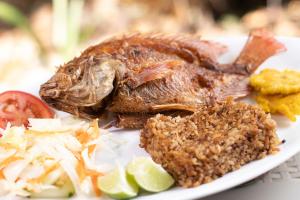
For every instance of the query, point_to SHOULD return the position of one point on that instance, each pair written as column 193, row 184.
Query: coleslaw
column 53, row 158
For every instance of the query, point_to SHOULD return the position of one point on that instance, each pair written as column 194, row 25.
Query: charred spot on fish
column 204, row 82
column 136, row 52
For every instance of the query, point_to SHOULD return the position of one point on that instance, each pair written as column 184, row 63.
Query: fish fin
column 211, row 48
column 189, row 47
column 215, row 49
column 152, row 72
column 261, row 45
column 237, row 89
column 199, row 47
column 173, row 106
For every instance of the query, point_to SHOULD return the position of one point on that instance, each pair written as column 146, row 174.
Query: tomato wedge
column 17, row 106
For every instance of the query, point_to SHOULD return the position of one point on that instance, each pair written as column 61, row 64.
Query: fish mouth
column 56, row 99
column 52, row 95
column 55, row 86
column 49, row 92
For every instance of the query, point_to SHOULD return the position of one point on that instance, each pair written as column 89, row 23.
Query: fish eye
column 70, row 70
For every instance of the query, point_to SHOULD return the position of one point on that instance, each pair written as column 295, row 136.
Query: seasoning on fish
column 141, row 75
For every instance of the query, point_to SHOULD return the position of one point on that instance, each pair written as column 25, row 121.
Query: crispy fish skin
column 153, row 73
column 137, row 120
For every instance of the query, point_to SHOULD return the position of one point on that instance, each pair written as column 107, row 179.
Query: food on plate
column 62, row 157
column 53, row 158
column 17, row 106
column 140, row 74
column 288, row 105
column 217, row 139
column 118, row 185
column 149, row 175
column 278, row 91
column 140, row 172
column 272, row 81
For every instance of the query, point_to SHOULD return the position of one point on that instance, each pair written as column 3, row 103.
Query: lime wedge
column 149, row 175
column 117, row 184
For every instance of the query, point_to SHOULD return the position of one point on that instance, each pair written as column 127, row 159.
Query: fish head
column 82, row 85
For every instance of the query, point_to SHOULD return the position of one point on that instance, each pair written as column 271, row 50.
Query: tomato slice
column 17, row 106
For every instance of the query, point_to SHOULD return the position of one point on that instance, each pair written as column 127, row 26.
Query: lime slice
column 117, row 184
column 149, row 175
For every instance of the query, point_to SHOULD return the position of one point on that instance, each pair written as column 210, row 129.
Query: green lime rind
column 118, row 185
column 149, row 175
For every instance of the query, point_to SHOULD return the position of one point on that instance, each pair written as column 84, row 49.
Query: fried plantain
column 271, row 81
column 288, row 105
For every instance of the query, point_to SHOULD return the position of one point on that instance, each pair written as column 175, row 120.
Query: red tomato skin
column 17, row 106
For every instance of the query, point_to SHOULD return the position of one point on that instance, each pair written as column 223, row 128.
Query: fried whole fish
column 139, row 75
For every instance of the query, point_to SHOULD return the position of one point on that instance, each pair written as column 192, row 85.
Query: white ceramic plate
column 286, row 130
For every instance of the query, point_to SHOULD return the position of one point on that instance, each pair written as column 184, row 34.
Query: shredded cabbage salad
column 53, row 158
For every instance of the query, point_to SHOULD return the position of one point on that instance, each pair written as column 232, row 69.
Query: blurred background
column 41, row 34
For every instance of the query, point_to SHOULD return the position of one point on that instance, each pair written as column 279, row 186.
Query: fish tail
column 260, row 46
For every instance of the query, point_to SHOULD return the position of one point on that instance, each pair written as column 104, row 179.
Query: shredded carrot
column 91, row 172
column 45, row 174
column 80, row 168
column 77, row 155
column 9, row 160
column 82, row 136
column 91, row 149
column 95, row 187
column 1, row 175
column 83, row 172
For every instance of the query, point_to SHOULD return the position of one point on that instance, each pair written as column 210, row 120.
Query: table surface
column 281, row 183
